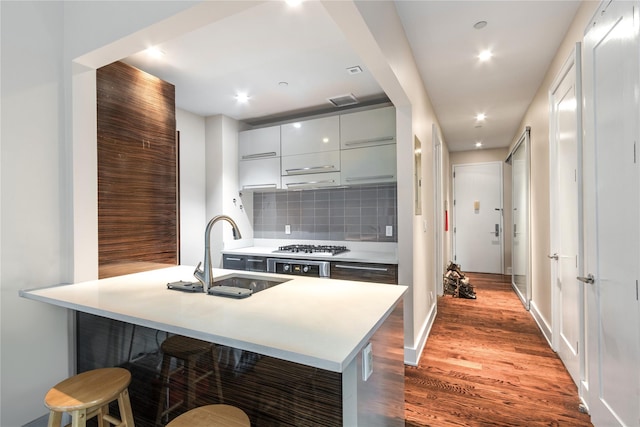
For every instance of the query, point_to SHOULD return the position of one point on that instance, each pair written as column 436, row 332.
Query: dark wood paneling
column 137, row 171
column 486, row 363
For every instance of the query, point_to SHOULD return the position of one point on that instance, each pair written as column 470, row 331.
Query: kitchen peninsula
column 317, row 326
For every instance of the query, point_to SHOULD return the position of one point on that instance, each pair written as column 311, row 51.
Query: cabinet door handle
column 233, row 259
column 357, row 267
column 369, row 141
column 369, row 178
column 259, row 155
column 323, row 168
column 302, row 184
column 257, row 186
column 255, row 260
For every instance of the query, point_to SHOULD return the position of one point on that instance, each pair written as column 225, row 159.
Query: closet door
column 611, row 76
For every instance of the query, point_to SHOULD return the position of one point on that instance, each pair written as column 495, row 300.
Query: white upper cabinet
column 259, row 155
column 259, row 143
column 259, row 174
column 311, row 136
column 328, row 161
column 366, row 128
column 369, row 165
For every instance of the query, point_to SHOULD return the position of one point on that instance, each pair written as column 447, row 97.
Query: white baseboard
column 545, row 328
column 412, row 354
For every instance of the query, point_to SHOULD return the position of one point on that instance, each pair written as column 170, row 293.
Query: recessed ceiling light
column 485, row 55
column 478, row 144
column 293, row 3
column 354, row 70
column 297, row 125
column 154, row 52
column 480, row 117
column 242, row 98
column 283, row 84
column 480, row 25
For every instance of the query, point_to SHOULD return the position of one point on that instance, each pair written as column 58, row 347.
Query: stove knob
column 286, row 267
column 305, row 269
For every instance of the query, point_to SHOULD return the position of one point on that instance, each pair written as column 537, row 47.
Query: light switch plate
column 367, row 362
column 287, row 229
column 389, row 231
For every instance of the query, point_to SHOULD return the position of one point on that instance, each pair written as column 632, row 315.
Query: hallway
column 486, row 363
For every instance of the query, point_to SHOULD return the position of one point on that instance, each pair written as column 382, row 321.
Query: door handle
column 497, row 230
column 589, row 279
column 554, row 256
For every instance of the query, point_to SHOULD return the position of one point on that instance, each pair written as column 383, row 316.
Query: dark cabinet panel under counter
column 244, row 262
column 365, row 272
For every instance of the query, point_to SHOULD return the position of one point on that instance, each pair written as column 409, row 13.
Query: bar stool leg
column 126, row 414
column 79, row 418
column 55, row 419
column 164, row 388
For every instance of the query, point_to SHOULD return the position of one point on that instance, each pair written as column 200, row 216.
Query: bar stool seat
column 212, row 416
column 188, row 351
column 88, row 394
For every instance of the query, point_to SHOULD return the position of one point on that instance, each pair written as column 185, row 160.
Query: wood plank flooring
column 486, row 363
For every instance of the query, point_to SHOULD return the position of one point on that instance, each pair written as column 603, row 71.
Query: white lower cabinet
column 313, row 180
column 259, row 174
column 369, row 165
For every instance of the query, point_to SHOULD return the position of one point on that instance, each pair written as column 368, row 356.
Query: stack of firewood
column 457, row 284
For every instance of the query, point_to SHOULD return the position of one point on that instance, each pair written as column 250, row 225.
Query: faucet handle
column 199, row 273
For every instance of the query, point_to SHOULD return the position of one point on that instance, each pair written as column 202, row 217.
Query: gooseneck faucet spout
column 206, row 276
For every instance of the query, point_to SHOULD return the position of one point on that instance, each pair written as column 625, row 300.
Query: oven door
column 298, row 267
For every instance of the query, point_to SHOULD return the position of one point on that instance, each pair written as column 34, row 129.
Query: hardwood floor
column 486, row 363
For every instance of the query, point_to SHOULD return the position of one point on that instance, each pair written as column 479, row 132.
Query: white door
column 566, row 218
column 477, row 217
column 611, row 212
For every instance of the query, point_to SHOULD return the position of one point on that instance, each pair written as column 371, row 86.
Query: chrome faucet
column 206, row 276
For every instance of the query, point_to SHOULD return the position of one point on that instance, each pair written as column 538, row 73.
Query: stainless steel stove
column 312, row 249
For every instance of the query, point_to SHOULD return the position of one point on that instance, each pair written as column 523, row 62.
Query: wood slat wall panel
column 137, row 171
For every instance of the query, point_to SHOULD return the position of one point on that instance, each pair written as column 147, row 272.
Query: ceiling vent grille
column 343, row 100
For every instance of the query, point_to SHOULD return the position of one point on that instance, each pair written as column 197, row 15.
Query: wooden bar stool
column 88, row 394
column 188, row 351
column 212, row 416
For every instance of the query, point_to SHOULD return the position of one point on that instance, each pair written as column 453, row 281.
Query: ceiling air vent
column 343, row 100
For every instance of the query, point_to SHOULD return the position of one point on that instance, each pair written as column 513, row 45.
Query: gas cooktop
column 312, row 249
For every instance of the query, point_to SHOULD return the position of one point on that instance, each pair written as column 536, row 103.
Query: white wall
column 537, row 116
column 34, row 342
column 375, row 32
column 192, row 186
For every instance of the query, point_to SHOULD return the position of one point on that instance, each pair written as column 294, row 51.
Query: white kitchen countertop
column 378, row 253
column 317, row 322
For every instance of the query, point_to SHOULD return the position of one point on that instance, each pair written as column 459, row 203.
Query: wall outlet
column 389, row 231
column 287, row 229
column 367, row 362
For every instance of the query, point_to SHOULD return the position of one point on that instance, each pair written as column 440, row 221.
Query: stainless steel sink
column 242, row 285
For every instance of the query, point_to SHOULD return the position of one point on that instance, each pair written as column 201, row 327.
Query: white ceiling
column 255, row 50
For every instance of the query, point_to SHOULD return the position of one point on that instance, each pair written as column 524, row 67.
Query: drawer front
column 234, row 262
column 365, row 272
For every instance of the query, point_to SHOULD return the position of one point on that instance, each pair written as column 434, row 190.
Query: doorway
column 477, row 217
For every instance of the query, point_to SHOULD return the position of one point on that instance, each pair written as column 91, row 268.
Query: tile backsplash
column 355, row 214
